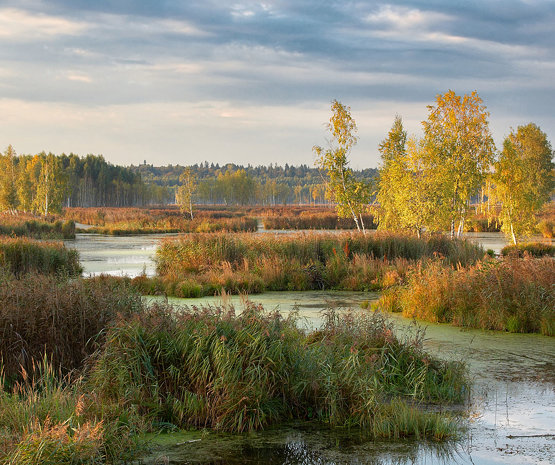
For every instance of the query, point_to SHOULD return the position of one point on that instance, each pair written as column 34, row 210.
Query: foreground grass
column 204, row 264
column 65, row 319
column 513, row 294
column 21, row 256
column 211, row 368
column 156, row 367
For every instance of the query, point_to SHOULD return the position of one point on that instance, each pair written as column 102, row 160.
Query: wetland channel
column 511, row 408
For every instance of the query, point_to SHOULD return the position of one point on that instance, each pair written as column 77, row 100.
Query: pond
column 512, row 406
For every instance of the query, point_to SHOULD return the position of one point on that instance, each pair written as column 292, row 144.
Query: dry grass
column 42, row 315
column 20, row 256
column 513, row 294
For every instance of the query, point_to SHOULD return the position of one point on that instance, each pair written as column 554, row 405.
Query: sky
column 251, row 82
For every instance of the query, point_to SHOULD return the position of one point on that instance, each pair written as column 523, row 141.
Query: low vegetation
column 213, row 368
column 22, row 225
column 513, row 294
column 324, row 220
column 127, row 221
column 20, row 256
column 41, row 314
column 535, row 249
column 203, row 264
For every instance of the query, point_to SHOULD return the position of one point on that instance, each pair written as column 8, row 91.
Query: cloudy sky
column 252, row 81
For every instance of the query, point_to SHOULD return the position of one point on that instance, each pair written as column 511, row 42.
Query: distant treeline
column 233, row 184
column 45, row 183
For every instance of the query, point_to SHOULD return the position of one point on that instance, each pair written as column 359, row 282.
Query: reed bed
column 21, row 256
column 197, row 225
column 211, row 368
column 513, row 294
column 26, row 225
column 203, row 264
column 156, row 367
column 534, row 249
column 129, row 221
column 41, row 314
column 324, row 220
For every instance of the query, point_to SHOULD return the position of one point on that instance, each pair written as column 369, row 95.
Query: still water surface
column 512, row 405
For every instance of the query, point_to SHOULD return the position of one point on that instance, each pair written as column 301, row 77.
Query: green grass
column 21, row 256
column 210, row 368
column 513, row 294
column 155, row 367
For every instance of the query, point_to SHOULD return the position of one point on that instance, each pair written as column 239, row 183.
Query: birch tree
column 523, row 179
column 351, row 196
column 186, row 190
column 460, row 152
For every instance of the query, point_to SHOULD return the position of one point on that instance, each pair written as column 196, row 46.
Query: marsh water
column 511, row 411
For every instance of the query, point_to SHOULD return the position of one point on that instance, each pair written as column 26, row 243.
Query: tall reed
column 20, row 256
column 64, row 319
column 212, row 368
column 309, row 220
column 31, row 226
column 253, row 263
column 513, row 294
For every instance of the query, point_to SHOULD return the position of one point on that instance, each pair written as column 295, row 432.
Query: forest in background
column 46, row 183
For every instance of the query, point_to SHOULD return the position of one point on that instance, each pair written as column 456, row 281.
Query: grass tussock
column 534, row 249
column 27, row 225
column 513, row 294
column 215, row 369
column 21, row 256
column 204, row 264
column 51, row 419
column 40, row 315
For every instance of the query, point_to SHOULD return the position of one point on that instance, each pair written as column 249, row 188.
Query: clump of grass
column 247, row 263
column 535, row 249
column 41, row 314
column 21, row 256
column 212, row 368
column 513, row 294
column 27, row 225
column 49, row 418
